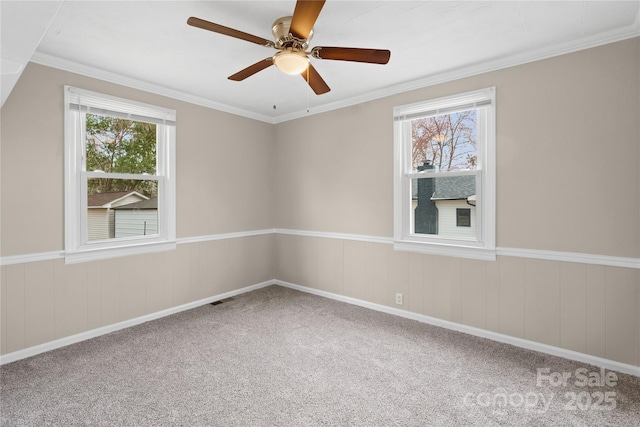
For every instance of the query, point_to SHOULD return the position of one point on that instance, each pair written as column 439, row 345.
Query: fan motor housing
column 283, row 38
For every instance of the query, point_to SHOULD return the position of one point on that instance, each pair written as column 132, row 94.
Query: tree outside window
column 123, row 146
column 447, row 141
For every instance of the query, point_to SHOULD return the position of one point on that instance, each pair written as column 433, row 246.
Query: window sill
column 453, row 250
column 96, row 254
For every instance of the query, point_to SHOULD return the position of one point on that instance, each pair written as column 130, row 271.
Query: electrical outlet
column 399, row 299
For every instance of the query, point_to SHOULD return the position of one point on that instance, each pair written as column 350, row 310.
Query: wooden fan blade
column 252, row 69
column 371, row 56
column 221, row 29
column 304, row 17
column 316, row 82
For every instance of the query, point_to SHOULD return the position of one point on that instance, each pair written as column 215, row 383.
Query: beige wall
column 224, row 185
column 224, row 174
column 568, row 180
column 568, row 150
column 48, row 300
column 591, row 309
column 334, row 171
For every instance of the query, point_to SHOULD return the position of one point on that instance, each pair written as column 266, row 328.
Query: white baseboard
column 494, row 336
column 63, row 342
column 518, row 342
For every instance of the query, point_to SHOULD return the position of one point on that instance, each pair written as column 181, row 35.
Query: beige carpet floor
column 279, row 357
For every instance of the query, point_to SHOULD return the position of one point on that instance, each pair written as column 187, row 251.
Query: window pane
column 463, row 217
column 437, row 205
column 445, row 142
column 120, row 146
column 121, row 208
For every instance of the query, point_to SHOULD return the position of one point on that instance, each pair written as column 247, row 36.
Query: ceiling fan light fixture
column 292, row 35
column 291, row 61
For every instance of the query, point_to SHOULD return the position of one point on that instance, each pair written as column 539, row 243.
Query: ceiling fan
column 292, row 35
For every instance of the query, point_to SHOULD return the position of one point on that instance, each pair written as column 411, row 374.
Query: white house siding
column 132, row 222
column 447, row 219
column 98, row 223
column 132, row 198
column 101, row 220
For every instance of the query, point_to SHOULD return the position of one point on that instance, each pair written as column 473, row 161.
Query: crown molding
column 96, row 73
column 613, row 36
column 608, row 37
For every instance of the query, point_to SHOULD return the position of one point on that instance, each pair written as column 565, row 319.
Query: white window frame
column 79, row 102
column 483, row 246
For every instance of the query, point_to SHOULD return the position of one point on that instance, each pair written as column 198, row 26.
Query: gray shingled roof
column 450, row 188
column 455, row 187
column 101, row 199
column 143, row 204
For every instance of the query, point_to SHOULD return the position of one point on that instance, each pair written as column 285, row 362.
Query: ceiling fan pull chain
column 275, row 88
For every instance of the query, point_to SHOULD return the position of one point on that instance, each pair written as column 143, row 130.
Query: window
column 119, row 176
column 444, row 188
column 463, row 217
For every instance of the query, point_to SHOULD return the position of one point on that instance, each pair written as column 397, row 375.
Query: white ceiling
column 148, row 45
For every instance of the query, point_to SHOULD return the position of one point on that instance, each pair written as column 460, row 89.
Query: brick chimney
column 426, row 213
